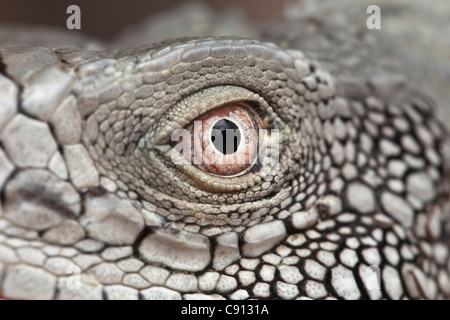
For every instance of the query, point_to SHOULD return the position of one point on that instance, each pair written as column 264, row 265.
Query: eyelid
column 190, row 108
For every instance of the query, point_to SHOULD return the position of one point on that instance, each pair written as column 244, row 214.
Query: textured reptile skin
column 92, row 207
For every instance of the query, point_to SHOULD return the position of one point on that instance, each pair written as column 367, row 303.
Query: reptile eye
column 221, row 144
column 224, row 141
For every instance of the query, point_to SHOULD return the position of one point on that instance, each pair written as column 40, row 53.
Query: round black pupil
column 226, row 136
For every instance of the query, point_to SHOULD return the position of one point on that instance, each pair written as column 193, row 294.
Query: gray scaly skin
column 92, row 207
column 89, row 196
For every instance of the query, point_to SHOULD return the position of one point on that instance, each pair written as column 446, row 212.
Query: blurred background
column 104, row 19
column 413, row 41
